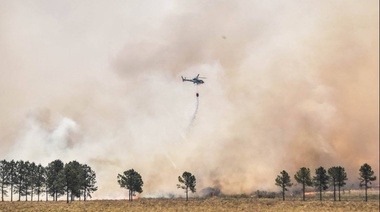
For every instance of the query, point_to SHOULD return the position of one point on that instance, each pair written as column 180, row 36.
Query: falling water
column 194, row 116
column 195, row 112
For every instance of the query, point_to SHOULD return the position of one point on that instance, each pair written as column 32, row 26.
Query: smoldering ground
column 289, row 84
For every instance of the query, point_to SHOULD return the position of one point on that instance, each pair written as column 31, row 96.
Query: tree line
column 27, row 179
column 335, row 176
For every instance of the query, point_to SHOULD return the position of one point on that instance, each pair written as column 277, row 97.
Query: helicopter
column 195, row 80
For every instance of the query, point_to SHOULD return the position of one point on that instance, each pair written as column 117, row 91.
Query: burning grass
column 208, row 204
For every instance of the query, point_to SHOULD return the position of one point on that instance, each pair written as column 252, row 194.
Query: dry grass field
column 209, row 204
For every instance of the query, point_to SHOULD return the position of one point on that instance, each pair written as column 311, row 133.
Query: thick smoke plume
column 289, row 84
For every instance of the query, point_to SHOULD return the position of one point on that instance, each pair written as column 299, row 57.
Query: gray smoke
column 289, row 84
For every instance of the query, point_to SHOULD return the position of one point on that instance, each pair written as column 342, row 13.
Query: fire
column 310, row 193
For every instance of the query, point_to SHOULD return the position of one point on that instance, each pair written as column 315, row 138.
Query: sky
column 289, row 84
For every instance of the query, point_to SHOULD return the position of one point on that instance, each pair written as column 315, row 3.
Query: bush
column 264, row 194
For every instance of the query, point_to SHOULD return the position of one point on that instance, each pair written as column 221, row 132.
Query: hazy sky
column 289, row 84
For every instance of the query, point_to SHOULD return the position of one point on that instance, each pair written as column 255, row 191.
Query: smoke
column 289, row 84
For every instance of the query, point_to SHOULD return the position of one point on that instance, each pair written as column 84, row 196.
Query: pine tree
column 131, row 180
column 72, row 179
column 12, row 174
column 40, row 180
column 303, row 177
column 283, row 180
column 320, row 180
column 21, row 178
column 332, row 177
column 187, row 182
column 337, row 178
column 88, row 181
column 366, row 176
column 31, row 178
column 55, row 179
column 4, row 178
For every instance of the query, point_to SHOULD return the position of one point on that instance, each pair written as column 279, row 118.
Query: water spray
column 196, row 110
column 196, row 80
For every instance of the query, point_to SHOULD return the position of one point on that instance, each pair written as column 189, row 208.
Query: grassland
column 207, row 204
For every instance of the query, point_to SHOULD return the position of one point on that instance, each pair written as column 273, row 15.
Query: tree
column 21, row 180
column 337, row 178
column 31, row 178
column 72, row 179
column 187, row 181
column 366, row 176
column 12, row 174
column 131, row 180
column 25, row 179
column 46, row 184
column 4, row 178
column 88, row 181
column 40, row 180
column 341, row 179
column 283, row 180
column 320, row 180
column 55, row 178
column 303, row 177
column 332, row 177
